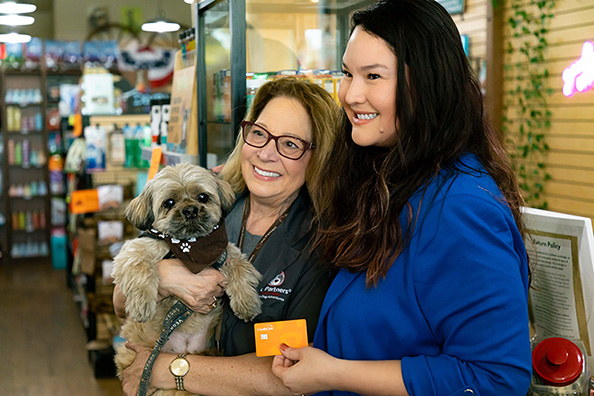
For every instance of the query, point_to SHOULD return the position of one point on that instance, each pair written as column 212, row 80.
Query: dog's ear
column 140, row 210
column 226, row 195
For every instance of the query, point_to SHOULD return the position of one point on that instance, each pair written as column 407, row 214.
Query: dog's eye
column 203, row 198
column 168, row 204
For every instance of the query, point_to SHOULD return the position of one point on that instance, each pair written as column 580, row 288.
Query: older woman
column 274, row 168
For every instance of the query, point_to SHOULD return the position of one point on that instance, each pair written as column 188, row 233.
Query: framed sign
column 561, row 248
column 453, row 6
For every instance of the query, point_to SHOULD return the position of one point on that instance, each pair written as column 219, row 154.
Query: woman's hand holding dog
column 131, row 374
column 197, row 291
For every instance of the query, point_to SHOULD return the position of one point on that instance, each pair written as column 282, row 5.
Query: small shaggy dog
column 183, row 208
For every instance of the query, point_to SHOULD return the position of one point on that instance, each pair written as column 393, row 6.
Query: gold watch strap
column 179, row 383
column 179, row 379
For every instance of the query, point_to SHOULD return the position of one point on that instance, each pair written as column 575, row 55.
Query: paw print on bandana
column 185, row 247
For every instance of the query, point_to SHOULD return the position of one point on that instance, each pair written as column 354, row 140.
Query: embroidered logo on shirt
column 272, row 291
column 279, row 280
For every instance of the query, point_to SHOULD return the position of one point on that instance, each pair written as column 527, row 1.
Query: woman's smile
column 265, row 174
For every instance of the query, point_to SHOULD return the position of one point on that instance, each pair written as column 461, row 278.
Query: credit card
column 270, row 335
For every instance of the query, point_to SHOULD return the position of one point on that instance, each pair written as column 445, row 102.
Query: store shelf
column 170, row 158
column 24, row 105
column 24, row 133
column 30, row 167
column 27, row 120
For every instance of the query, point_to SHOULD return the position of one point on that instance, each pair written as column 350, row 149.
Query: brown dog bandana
column 198, row 253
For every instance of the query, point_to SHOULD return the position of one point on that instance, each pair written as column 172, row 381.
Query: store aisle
column 42, row 341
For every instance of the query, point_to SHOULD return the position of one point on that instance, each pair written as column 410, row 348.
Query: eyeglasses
column 288, row 146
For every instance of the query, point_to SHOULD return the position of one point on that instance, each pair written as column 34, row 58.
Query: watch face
column 179, row 367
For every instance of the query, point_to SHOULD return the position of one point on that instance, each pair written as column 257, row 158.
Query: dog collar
column 198, row 253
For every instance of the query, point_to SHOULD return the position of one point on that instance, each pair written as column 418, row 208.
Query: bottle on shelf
column 129, row 146
column 136, row 145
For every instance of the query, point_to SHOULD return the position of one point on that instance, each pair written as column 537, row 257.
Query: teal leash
column 177, row 315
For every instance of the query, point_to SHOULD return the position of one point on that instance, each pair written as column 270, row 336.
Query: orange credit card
column 270, row 335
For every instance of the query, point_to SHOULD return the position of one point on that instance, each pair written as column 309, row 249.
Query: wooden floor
column 42, row 340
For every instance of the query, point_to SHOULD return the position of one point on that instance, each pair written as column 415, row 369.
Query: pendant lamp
column 16, row 20
column 160, row 24
column 14, row 38
column 11, row 7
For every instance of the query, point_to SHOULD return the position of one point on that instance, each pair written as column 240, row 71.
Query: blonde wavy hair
column 323, row 115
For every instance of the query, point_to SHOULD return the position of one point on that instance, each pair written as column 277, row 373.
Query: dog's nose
column 190, row 212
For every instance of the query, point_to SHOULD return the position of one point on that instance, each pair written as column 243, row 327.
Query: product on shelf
column 96, row 141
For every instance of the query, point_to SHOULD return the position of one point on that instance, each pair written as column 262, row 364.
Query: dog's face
column 183, row 201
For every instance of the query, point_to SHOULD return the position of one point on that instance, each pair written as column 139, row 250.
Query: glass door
column 248, row 42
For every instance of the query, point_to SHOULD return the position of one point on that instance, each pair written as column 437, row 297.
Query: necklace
column 274, row 226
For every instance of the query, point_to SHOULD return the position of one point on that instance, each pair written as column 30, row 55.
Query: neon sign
column 579, row 77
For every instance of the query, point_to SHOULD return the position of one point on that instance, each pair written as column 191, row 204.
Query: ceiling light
column 16, row 20
column 10, row 7
column 15, row 38
column 188, row 1
column 160, row 25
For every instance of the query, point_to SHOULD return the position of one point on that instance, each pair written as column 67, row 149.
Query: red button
column 557, row 361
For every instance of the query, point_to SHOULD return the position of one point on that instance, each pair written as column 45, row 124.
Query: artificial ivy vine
column 526, row 114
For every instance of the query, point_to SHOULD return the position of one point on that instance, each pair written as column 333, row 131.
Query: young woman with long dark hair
column 421, row 220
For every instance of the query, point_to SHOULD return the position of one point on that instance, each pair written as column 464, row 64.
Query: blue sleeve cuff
column 447, row 376
column 418, row 374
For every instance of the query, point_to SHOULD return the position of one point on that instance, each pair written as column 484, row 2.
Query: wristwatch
column 179, row 367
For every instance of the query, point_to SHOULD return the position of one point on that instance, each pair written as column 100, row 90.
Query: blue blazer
column 453, row 306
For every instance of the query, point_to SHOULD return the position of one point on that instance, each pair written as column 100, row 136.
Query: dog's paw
column 142, row 313
column 123, row 358
column 242, row 289
column 246, row 304
column 140, row 306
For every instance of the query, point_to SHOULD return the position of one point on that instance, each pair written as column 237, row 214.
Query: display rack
column 33, row 149
column 89, row 276
column 26, row 179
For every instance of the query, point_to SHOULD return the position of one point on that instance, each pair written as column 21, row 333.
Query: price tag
column 155, row 162
column 84, row 201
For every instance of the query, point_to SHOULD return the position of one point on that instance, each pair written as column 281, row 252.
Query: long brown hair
column 440, row 116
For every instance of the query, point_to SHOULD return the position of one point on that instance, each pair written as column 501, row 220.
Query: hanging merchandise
column 96, row 142
column 129, row 146
column 165, row 114
column 98, row 94
column 137, row 144
column 117, row 148
column 69, row 94
column 147, row 142
column 156, row 108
